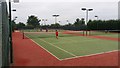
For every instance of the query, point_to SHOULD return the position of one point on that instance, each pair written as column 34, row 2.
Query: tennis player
column 56, row 34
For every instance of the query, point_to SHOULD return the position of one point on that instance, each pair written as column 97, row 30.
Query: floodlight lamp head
column 96, row 16
column 55, row 15
column 84, row 9
column 90, row 9
column 14, row 10
column 16, row 17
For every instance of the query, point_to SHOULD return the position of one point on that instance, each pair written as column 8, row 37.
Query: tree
column 56, row 25
column 104, row 25
column 20, row 25
column 13, row 25
column 69, row 24
column 82, row 21
column 79, row 22
column 33, row 21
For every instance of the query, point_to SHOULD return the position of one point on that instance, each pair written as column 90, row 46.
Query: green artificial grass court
column 112, row 35
column 109, row 34
column 70, row 46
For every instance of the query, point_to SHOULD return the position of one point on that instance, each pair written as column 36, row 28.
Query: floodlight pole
column 85, row 9
column 55, row 18
column 97, row 23
column 87, row 16
column 67, row 21
column 45, row 20
column 97, row 17
column 10, row 35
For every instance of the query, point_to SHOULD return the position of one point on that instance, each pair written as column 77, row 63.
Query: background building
column 119, row 10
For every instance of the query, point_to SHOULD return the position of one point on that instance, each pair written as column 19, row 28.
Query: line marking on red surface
column 91, row 55
column 67, row 51
column 43, row 48
column 97, row 37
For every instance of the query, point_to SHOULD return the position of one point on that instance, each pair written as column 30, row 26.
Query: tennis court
column 70, row 46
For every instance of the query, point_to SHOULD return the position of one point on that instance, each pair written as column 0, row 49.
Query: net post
column 23, row 34
column 86, row 32
column 89, row 32
column 83, row 33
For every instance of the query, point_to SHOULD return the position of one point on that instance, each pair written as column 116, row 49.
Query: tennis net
column 34, row 35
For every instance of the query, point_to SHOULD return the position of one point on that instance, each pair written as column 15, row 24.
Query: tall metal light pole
column 10, row 27
column 67, row 21
column 97, row 23
column 45, row 20
column 59, row 21
column 56, row 17
column 10, row 35
column 97, row 17
column 85, row 9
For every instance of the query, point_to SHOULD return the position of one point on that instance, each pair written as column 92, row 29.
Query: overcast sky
column 67, row 9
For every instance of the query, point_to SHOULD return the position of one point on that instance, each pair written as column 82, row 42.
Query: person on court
column 56, row 34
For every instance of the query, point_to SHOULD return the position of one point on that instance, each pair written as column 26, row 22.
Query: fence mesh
column 4, row 35
column 0, row 36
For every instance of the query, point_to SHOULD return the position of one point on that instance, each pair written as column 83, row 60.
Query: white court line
column 90, row 55
column 43, row 48
column 58, row 47
column 73, row 54
column 73, row 41
column 79, row 41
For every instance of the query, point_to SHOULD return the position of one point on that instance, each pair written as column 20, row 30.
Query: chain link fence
column 4, row 35
column 0, row 35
